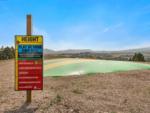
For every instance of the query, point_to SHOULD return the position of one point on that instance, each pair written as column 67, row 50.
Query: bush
column 137, row 57
column 7, row 53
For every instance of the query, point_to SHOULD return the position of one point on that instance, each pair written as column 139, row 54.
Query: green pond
column 82, row 66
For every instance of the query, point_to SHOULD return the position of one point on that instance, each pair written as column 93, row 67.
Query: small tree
column 7, row 53
column 138, row 57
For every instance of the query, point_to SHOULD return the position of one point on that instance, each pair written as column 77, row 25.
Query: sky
column 79, row 24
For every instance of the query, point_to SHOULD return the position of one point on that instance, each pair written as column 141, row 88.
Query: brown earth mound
column 123, row 92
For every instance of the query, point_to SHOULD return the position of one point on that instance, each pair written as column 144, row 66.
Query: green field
column 75, row 66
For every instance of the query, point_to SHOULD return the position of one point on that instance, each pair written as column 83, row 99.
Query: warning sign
column 29, row 63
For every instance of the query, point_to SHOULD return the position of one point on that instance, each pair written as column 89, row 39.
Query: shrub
column 137, row 57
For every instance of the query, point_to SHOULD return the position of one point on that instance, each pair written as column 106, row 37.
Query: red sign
column 29, row 75
column 29, row 63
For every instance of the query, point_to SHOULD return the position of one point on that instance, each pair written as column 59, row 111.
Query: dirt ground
column 122, row 92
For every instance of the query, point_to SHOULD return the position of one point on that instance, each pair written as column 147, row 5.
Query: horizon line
column 131, row 48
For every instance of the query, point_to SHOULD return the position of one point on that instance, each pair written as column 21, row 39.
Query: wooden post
column 29, row 25
column 29, row 32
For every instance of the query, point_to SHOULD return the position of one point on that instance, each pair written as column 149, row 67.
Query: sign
column 29, row 62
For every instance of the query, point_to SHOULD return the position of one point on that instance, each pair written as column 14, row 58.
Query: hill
column 87, row 53
column 49, row 51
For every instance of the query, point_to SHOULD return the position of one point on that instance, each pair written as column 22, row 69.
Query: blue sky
column 79, row 24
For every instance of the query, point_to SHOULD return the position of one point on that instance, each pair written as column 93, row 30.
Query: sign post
column 29, row 61
column 29, row 32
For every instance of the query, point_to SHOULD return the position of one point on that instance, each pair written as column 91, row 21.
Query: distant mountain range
column 74, row 51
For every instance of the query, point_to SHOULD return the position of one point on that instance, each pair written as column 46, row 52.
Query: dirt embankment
column 123, row 92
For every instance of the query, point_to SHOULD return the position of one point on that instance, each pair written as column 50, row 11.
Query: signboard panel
column 29, row 63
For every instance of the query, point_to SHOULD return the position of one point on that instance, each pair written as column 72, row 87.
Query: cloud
column 86, row 36
column 46, row 36
column 38, row 31
column 112, row 27
column 89, row 36
column 106, row 29
column 135, row 46
column 51, row 42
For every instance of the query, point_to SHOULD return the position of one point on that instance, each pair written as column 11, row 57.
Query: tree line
column 138, row 57
column 7, row 53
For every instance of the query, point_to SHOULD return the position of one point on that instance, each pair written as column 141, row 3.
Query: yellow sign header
column 29, row 39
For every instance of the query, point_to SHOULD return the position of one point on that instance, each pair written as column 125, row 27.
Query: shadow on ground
column 23, row 109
